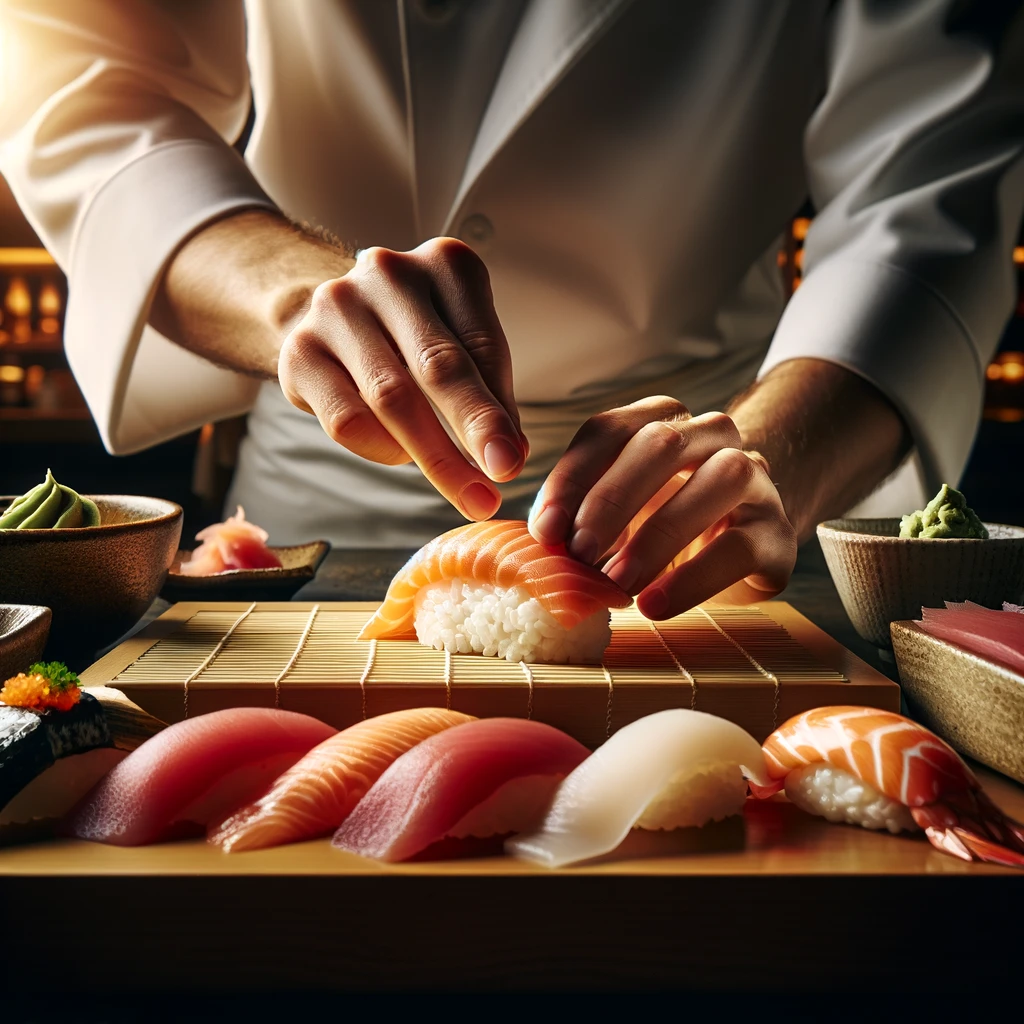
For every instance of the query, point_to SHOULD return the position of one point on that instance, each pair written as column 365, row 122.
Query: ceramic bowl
column 99, row 581
column 882, row 577
column 974, row 704
column 299, row 564
column 23, row 632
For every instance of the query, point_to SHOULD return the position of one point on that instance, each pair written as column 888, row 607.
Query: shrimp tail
column 971, row 827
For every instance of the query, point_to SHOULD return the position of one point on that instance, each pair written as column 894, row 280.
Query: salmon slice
column 490, row 777
column 193, row 772
column 500, row 552
column 318, row 793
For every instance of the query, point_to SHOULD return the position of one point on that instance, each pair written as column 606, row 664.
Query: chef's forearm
column 830, row 437
column 234, row 290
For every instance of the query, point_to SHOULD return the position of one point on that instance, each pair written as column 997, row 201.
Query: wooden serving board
column 755, row 666
column 775, row 899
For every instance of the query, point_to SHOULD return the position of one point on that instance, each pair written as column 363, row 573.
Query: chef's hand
column 396, row 334
column 686, row 513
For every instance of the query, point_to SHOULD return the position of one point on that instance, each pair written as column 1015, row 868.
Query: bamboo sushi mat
column 290, row 654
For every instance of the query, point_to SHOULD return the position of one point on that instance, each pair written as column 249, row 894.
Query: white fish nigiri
column 669, row 770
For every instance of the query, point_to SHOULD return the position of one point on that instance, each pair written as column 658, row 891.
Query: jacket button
column 476, row 229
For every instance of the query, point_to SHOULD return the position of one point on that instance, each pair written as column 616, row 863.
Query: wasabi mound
column 50, row 506
column 945, row 516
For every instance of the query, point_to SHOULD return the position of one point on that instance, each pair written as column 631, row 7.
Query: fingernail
column 501, row 458
column 551, row 525
column 655, row 604
column 625, row 571
column 584, row 546
column 478, row 501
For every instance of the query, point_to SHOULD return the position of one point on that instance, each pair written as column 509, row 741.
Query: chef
column 495, row 252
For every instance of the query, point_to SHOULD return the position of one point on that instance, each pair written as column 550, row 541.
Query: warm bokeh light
column 18, row 300
column 11, row 374
column 1018, row 255
column 49, row 299
column 22, row 257
column 800, row 226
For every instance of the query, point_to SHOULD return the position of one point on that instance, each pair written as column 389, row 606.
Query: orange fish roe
column 38, row 692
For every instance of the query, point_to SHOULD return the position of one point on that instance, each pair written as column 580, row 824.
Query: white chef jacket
column 624, row 167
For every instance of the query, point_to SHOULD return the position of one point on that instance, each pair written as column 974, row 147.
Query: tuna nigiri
column 995, row 635
column 233, row 544
column 193, row 772
column 484, row 778
column 489, row 588
column 669, row 770
column 318, row 792
column 880, row 770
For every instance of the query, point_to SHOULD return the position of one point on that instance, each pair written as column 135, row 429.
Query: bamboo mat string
column 679, row 665
column 528, row 672
column 608, row 709
column 366, row 675
column 295, row 655
column 213, row 654
column 770, row 676
column 447, row 679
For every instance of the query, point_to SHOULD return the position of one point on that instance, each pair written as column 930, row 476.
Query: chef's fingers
column 399, row 290
column 591, row 452
column 463, row 297
column 313, row 380
column 340, row 320
column 731, row 483
column 747, row 562
column 655, row 454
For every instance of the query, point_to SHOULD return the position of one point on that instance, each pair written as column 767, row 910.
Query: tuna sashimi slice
column 490, row 777
column 193, row 772
column 318, row 793
column 995, row 635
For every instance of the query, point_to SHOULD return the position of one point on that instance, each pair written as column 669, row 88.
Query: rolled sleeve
column 915, row 162
column 896, row 332
column 127, row 235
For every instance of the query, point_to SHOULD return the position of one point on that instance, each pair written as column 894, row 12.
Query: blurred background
column 44, row 421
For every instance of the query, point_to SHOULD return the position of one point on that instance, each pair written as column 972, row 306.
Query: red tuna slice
column 490, row 777
column 995, row 635
column 192, row 773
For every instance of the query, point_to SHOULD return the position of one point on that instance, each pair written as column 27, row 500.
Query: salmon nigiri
column 318, row 793
column 489, row 588
column 233, row 544
column 880, row 770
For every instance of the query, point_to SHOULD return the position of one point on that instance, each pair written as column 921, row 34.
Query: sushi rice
column 840, row 796
column 469, row 617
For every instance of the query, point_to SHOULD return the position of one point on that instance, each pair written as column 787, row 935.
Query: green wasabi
column 50, row 506
column 946, row 515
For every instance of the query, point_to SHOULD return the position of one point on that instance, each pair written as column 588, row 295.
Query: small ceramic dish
column 299, row 564
column 882, row 577
column 98, row 581
column 23, row 632
column 975, row 704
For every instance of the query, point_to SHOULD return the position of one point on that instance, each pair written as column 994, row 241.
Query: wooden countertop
column 775, row 900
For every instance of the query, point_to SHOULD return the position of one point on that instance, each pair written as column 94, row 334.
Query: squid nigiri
column 318, row 792
column 233, row 544
column 193, row 772
column 484, row 778
column 673, row 769
column 880, row 770
column 489, row 588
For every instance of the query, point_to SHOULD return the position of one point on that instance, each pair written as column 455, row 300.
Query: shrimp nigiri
column 489, row 588
column 880, row 770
